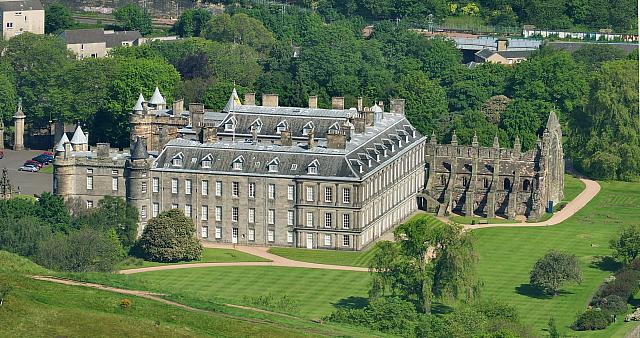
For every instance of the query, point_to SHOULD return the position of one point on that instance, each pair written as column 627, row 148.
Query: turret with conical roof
column 79, row 140
column 139, row 150
column 157, row 99
column 138, row 108
column 233, row 102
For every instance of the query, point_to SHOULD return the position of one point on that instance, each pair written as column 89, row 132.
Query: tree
column 113, row 214
column 170, row 237
column 239, row 28
column 525, row 119
column 21, row 235
column 553, row 270
column 426, row 102
column 51, row 209
column 594, row 54
column 191, row 22
column 84, row 250
column 430, row 260
column 217, row 94
column 8, row 95
column 57, row 18
column 626, row 247
column 131, row 17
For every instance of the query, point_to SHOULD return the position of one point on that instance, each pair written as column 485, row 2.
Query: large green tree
column 131, row 17
column 553, row 270
column 426, row 102
column 57, row 17
column 239, row 28
column 191, row 22
column 626, row 246
column 170, row 237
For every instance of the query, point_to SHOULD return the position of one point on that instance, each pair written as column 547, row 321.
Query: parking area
column 26, row 183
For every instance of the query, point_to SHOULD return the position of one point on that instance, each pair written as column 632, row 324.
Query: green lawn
column 469, row 220
column 316, row 292
column 334, row 257
column 44, row 309
column 572, row 187
column 209, row 255
column 507, row 255
column 47, row 169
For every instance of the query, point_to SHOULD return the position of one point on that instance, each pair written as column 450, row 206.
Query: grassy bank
column 209, row 255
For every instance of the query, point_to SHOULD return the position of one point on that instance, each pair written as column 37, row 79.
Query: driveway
column 26, row 183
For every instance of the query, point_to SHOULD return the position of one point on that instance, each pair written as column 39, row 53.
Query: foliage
column 553, row 270
column 626, row 247
column 553, row 328
column 426, row 102
column 191, row 22
column 591, row 320
column 57, row 17
column 282, row 303
column 605, row 136
column 80, row 251
column 22, row 235
column 51, row 208
column 239, row 28
column 8, row 95
column 387, row 314
column 131, row 17
column 624, row 285
column 594, row 54
column 430, row 260
column 170, row 237
column 611, row 304
column 524, row 119
column 5, row 290
column 125, row 303
column 112, row 214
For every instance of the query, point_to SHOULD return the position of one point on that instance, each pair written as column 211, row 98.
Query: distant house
column 21, row 16
column 505, row 57
column 98, row 42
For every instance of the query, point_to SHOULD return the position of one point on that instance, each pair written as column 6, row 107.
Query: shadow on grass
column 605, row 263
column 352, row 302
column 533, row 292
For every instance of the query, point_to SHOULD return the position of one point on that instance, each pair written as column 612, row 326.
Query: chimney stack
column 360, row 103
column 269, row 100
column 285, row 138
column 250, row 99
column 359, row 124
column 397, row 106
column 336, row 140
column 254, row 134
column 312, row 140
column 102, row 150
column 337, row 102
column 369, row 117
column 502, row 44
column 196, row 112
column 208, row 135
column 346, row 130
column 178, row 107
column 313, row 101
column 381, row 105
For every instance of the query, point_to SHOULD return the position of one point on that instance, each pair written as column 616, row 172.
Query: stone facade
column 490, row 181
column 21, row 16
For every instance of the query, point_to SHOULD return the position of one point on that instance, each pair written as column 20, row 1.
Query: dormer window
column 294, row 166
column 334, row 127
column 273, row 165
column 282, row 126
column 206, row 161
column 237, row 163
column 230, row 125
column 308, row 128
column 257, row 125
column 176, row 161
column 312, row 169
column 358, row 164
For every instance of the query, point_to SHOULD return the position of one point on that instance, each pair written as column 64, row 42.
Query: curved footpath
column 591, row 190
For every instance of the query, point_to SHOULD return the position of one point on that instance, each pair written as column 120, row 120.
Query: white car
column 29, row 168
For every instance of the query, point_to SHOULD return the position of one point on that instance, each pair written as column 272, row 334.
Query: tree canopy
column 170, row 237
column 131, row 17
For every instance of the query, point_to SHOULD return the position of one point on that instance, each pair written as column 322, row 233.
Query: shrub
column 611, row 304
column 592, row 320
column 625, row 284
column 81, row 251
column 283, row 303
column 22, row 235
column 125, row 303
column 170, row 237
column 626, row 247
column 553, row 270
column 466, row 320
column 387, row 314
column 432, row 326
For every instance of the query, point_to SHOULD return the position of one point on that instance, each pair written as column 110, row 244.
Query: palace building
column 259, row 175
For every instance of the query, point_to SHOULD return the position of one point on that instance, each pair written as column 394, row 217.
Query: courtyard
column 26, row 183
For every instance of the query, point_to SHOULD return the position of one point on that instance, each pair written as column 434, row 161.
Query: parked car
column 43, row 159
column 28, row 167
column 34, row 163
column 48, row 153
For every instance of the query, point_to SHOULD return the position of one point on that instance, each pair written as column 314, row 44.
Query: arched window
column 507, row 184
column 526, row 185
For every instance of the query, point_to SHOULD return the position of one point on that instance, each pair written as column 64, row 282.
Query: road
column 26, row 183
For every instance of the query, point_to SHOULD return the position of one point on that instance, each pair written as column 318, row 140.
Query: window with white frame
column 272, row 191
column 309, row 194
column 205, row 231
column 234, row 214
column 155, row 209
column 328, row 220
column 206, row 163
column 218, row 213
column 327, row 240
column 271, row 235
column 289, row 236
column 312, row 170
column 218, row 188
column 252, row 215
column 346, row 221
column 174, row 185
column 290, row 217
column 204, row 187
column 252, row 190
column 89, row 204
column 187, row 187
column 114, row 184
column 290, row 192
column 252, row 234
column 155, row 184
column 237, row 163
column 309, row 218
column 174, row 206
column 345, row 240
column 271, row 216
column 218, row 232
column 204, row 212
column 177, row 161
column 143, row 187
column 89, row 182
column 235, row 189
column 346, row 195
column 187, row 210
column 328, row 194
column 273, row 165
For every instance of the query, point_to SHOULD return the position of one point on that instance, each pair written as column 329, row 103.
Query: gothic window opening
column 485, row 183
column 507, row 184
column 526, row 185
column 443, row 179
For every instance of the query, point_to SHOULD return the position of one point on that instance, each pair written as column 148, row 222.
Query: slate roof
column 96, row 35
column 295, row 124
column 116, row 38
column 574, row 46
column 139, row 151
column 485, row 53
column 16, row 6
column 515, row 54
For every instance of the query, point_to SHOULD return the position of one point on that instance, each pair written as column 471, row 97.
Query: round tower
column 63, row 168
column 137, row 178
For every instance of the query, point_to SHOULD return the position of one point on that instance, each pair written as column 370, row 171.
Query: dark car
column 34, row 163
column 48, row 153
column 43, row 159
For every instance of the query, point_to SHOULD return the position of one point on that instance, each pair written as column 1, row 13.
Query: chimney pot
column 360, row 103
column 313, row 101
column 269, row 100
column 178, row 107
column 250, row 99
column 337, row 102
